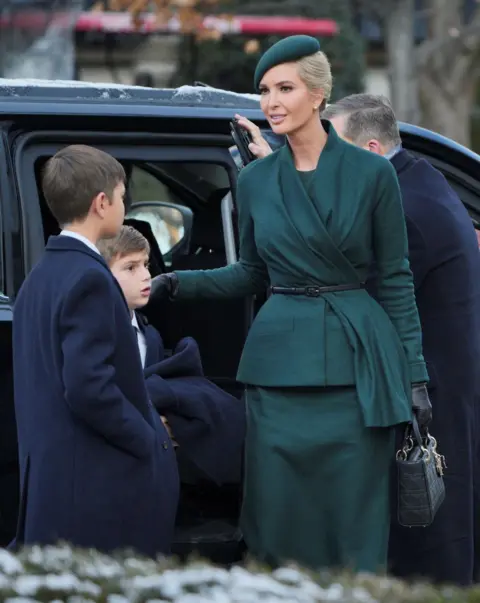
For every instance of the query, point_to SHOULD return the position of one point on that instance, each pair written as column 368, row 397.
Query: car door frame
column 123, row 146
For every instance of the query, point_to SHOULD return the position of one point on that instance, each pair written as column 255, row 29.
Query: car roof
column 79, row 98
column 41, row 97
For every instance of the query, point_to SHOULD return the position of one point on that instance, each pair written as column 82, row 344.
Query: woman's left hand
column 259, row 146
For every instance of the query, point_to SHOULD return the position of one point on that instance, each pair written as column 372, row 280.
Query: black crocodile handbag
column 421, row 489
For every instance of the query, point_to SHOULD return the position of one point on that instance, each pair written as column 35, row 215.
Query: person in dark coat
column 445, row 262
column 328, row 370
column 97, row 466
column 206, row 423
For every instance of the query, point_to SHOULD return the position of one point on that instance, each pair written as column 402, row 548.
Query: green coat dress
column 326, row 377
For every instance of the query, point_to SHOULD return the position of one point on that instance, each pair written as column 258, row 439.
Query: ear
column 317, row 98
column 374, row 146
column 99, row 204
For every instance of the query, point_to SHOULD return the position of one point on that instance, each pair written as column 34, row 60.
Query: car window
column 198, row 179
column 167, row 224
column 146, row 193
column 146, row 187
column 175, row 184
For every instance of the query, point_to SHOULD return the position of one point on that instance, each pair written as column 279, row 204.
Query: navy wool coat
column 445, row 262
column 97, row 466
column 208, row 423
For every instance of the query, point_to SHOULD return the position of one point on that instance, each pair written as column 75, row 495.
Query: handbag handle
column 416, row 432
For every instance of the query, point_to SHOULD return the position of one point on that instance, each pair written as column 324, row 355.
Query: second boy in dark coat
column 207, row 423
column 97, row 466
column 445, row 262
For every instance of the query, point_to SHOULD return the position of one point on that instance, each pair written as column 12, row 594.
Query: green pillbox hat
column 287, row 50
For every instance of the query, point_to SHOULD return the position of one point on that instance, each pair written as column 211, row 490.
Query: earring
column 315, row 107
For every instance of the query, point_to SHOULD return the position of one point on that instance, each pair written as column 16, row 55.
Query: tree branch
column 466, row 39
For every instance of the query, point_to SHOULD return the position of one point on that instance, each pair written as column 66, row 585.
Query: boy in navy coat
column 206, row 423
column 97, row 466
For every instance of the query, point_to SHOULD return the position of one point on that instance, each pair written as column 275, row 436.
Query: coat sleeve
column 395, row 288
column 245, row 277
column 87, row 325
column 161, row 394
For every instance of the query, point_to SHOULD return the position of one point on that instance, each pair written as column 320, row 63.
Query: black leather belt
column 314, row 290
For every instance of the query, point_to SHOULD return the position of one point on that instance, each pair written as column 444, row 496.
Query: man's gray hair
column 367, row 116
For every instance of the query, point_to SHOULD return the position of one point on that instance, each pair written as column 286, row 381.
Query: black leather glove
column 422, row 408
column 164, row 286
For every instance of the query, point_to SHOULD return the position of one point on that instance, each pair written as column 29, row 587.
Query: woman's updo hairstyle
column 314, row 70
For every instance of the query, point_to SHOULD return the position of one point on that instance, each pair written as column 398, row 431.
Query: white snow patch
column 361, row 595
column 197, row 90
column 189, row 91
column 87, row 576
column 31, row 82
column 186, row 90
column 9, row 564
column 30, row 585
column 101, row 569
column 112, row 599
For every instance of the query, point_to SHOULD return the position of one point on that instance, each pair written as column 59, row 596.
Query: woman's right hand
column 259, row 146
column 164, row 286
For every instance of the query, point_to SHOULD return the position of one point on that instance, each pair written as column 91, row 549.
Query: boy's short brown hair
column 74, row 176
column 129, row 240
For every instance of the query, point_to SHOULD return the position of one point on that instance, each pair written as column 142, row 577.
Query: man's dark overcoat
column 97, row 466
column 445, row 262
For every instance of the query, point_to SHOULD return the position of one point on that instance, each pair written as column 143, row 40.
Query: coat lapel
column 64, row 243
column 153, row 343
column 315, row 226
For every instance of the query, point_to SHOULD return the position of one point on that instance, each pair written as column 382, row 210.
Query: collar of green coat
column 333, row 145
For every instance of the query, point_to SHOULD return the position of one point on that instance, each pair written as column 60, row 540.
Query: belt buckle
column 313, row 291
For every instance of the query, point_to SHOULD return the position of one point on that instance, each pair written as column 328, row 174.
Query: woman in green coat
column 328, row 370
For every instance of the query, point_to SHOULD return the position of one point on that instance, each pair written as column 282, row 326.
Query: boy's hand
column 169, row 431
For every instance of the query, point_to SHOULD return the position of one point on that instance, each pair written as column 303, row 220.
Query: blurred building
column 70, row 39
column 37, row 38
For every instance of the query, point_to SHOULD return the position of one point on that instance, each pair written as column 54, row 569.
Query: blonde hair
column 129, row 240
column 316, row 73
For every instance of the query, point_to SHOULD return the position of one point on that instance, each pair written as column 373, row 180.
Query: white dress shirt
column 142, row 344
column 79, row 237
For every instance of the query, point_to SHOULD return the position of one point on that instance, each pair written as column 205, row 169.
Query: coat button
column 165, row 445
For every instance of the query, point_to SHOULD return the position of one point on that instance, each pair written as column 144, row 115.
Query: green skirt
column 316, row 480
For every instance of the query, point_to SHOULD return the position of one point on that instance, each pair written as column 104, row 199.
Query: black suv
column 174, row 145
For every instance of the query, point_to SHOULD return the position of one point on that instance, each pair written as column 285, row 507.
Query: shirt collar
column 135, row 321
column 79, row 237
column 392, row 152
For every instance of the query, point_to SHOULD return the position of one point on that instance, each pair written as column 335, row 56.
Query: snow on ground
column 60, row 574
